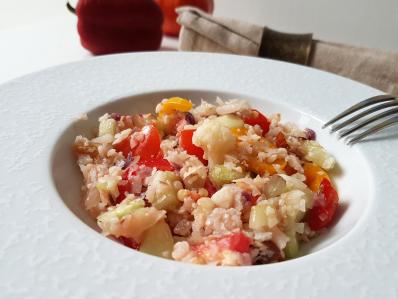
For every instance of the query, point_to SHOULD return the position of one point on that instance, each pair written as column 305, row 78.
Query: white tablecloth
column 43, row 44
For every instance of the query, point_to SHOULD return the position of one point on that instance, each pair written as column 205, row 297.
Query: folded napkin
column 206, row 33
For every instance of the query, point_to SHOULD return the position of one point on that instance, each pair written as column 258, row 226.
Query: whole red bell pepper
column 118, row 25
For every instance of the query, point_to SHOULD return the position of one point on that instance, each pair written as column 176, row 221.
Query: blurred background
column 41, row 33
column 368, row 23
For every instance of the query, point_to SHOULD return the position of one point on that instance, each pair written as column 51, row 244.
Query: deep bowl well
column 352, row 176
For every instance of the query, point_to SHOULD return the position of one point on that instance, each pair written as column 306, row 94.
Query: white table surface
column 42, row 33
column 43, row 44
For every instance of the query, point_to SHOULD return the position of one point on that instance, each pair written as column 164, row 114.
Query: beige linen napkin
column 203, row 32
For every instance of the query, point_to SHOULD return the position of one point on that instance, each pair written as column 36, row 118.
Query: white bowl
column 46, row 251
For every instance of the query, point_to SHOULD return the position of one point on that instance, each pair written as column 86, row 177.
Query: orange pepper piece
column 314, row 176
column 261, row 167
column 175, row 104
column 238, row 131
column 268, row 143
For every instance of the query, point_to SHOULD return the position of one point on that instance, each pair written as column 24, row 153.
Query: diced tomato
column 253, row 199
column 280, row 140
column 186, row 144
column 249, row 198
column 157, row 162
column 130, row 243
column 258, row 119
column 124, row 186
column 146, row 149
column 211, row 189
column 324, row 207
column 125, row 174
column 130, row 171
column 289, row 170
column 199, row 249
column 150, row 146
column 123, row 146
column 236, row 242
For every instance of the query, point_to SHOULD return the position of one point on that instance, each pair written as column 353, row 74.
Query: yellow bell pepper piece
column 175, row 104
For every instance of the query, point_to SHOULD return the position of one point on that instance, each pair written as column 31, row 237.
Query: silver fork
column 359, row 121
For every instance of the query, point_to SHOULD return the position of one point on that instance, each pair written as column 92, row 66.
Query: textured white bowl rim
column 45, row 252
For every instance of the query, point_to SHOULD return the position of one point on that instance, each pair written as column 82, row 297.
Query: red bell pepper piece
column 253, row 199
column 236, row 242
column 118, row 26
column 249, row 198
column 324, row 207
column 158, row 162
column 150, row 146
column 129, row 242
column 211, row 189
column 147, row 149
column 186, row 144
column 258, row 119
column 123, row 146
column 124, row 186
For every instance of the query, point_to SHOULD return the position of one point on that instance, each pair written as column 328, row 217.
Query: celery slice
column 158, row 240
column 221, row 175
column 292, row 247
column 107, row 126
column 162, row 193
column 122, row 210
column 314, row 152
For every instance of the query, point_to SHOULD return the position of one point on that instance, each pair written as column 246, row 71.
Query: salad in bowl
column 219, row 184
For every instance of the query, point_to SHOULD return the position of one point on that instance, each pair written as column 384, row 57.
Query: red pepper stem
column 70, row 7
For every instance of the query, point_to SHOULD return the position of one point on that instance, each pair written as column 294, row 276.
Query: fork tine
column 362, row 114
column 368, row 121
column 360, row 105
column 385, row 124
